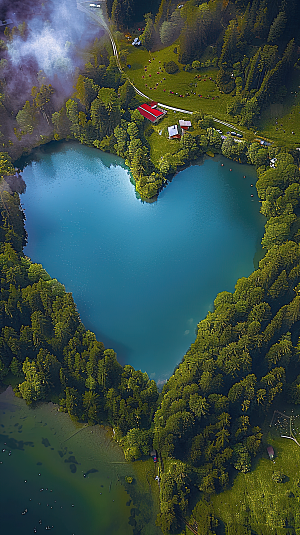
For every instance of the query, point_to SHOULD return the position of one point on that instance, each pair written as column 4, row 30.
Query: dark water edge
column 57, row 473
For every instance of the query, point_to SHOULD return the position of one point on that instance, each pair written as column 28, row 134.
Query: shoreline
column 96, row 440
column 162, row 378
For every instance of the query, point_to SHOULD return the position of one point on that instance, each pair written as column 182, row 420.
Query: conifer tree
column 148, row 34
column 277, row 27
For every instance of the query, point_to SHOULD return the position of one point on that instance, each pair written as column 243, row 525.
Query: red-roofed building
column 184, row 125
column 150, row 112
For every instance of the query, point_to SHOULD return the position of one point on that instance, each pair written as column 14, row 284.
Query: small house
column 184, row 125
column 270, row 452
column 173, row 132
column 151, row 112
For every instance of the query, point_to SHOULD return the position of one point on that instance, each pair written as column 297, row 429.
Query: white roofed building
column 173, row 132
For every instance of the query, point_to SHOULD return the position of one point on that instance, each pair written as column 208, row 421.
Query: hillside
column 236, row 62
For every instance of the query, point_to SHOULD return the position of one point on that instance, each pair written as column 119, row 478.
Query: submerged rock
column 73, row 468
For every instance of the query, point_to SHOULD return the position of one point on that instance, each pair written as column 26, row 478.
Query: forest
column 205, row 422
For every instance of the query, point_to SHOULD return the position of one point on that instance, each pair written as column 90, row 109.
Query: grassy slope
column 179, row 82
column 255, row 500
column 212, row 101
column 287, row 115
column 158, row 136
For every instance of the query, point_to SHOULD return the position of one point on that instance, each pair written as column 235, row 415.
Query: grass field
column 258, row 502
column 278, row 121
column 157, row 84
column 158, row 136
column 148, row 75
column 200, row 92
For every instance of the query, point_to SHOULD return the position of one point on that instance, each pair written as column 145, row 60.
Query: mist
column 52, row 46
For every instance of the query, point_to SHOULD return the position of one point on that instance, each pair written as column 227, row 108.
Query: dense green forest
column 204, row 424
column 245, row 355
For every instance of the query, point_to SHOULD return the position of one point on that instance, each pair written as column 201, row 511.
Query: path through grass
column 198, row 88
column 199, row 92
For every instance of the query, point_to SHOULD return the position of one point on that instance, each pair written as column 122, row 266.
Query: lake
column 68, row 479
column 142, row 274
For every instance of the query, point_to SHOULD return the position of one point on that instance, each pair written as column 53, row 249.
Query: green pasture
column 278, row 121
column 157, row 84
column 212, row 101
column 158, row 136
column 255, row 499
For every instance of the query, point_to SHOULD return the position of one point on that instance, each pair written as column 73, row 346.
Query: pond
column 142, row 274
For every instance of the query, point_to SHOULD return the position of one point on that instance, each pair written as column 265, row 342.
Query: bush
column 171, row 67
column 206, row 122
column 188, row 67
column 278, row 477
column 131, row 454
column 196, row 65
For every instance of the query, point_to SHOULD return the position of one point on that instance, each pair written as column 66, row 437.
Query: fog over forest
column 49, row 44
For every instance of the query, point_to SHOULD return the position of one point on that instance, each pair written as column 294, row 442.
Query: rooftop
column 150, row 112
column 173, row 131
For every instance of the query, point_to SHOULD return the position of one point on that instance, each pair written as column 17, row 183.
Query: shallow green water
column 38, row 447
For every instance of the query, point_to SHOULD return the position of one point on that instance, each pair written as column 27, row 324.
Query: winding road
column 98, row 15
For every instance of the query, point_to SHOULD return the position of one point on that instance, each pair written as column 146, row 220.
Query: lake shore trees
column 246, row 353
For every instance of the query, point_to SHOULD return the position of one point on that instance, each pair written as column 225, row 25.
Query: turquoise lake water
column 142, row 274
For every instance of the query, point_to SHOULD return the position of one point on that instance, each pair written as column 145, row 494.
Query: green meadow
column 157, row 84
column 147, row 73
column 158, row 136
column 280, row 120
column 265, row 500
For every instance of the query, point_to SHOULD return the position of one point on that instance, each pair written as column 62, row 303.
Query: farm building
column 151, row 112
column 184, row 125
column 173, row 132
